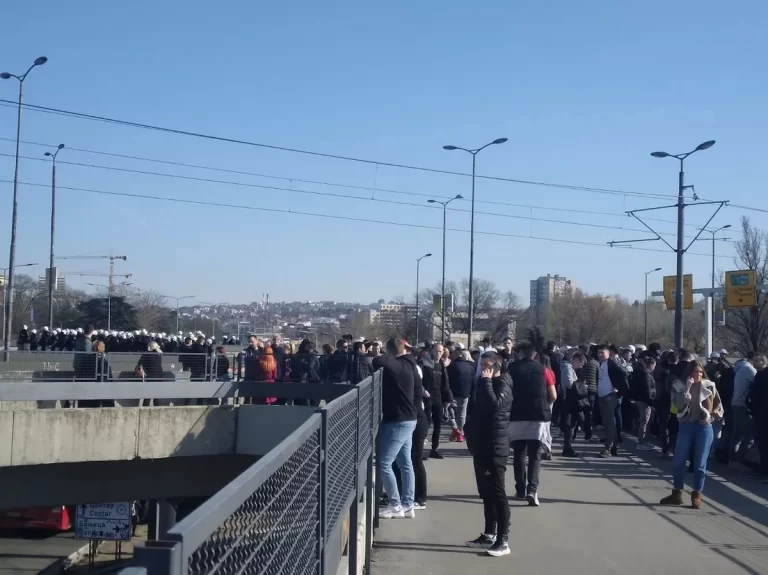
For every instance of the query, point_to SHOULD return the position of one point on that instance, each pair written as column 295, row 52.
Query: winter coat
column 336, row 367
column 589, row 374
column 642, row 385
column 305, row 368
column 487, row 425
column 361, row 367
column 461, row 378
column 397, row 385
column 436, row 380
column 530, row 392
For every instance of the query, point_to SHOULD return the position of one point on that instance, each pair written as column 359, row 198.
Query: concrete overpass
column 71, row 456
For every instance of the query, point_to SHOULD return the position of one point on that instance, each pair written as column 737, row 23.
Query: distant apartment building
column 543, row 292
column 396, row 314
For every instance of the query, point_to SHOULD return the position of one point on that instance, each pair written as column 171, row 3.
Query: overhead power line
column 92, row 117
column 340, row 196
column 339, row 217
column 372, row 189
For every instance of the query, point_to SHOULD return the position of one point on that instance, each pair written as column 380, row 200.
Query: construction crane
column 111, row 275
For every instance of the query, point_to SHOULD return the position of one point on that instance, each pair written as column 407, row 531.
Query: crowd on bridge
column 506, row 402
column 136, row 341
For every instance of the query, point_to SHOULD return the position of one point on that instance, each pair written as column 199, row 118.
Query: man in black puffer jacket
column 438, row 393
column 642, row 390
column 487, row 438
column 589, row 374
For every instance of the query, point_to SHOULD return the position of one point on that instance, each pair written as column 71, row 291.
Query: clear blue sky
column 583, row 90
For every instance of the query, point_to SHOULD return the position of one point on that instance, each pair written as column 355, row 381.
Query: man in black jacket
column 336, row 367
column 611, row 385
column 589, row 374
column 398, row 423
column 487, row 427
column 642, row 389
column 435, row 379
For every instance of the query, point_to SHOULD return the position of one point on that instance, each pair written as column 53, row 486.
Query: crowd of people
column 506, row 401
column 135, row 341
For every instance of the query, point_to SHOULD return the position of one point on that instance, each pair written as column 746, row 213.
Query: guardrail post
column 354, row 509
column 323, row 487
column 158, row 557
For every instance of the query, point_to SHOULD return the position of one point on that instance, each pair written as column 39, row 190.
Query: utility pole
column 51, row 275
column 418, row 261
column 444, row 337
column 645, row 325
column 681, row 248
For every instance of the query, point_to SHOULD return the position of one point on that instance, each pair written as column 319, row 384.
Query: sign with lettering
column 740, row 289
column 670, row 285
column 104, row 521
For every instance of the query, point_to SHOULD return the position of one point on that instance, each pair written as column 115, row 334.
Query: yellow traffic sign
column 740, row 289
column 670, row 285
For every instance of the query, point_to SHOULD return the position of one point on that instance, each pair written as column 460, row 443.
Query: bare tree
column 152, row 312
column 747, row 328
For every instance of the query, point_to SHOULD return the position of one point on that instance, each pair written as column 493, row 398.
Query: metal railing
column 285, row 514
column 59, row 366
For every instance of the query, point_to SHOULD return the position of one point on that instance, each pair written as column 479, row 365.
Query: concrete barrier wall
column 49, row 436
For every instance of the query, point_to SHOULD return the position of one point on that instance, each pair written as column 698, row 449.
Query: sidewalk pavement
column 597, row 517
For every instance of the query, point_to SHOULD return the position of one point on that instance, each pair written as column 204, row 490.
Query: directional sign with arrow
column 104, row 521
column 740, row 289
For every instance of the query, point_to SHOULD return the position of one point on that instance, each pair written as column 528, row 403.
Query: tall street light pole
column 51, row 275
column 15, row 213
column 442, row 289
column 178, row 299
column 680, row 235
column 5, row 291
column 418, row 261
column 711, row 299
column 645, row 325
column 470, row 301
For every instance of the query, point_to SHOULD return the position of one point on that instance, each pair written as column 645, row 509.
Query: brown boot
column 696, row 499
column 675, row 499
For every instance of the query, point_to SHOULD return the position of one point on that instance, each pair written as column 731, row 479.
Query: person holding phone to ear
column 699, row 405
column 486, row 433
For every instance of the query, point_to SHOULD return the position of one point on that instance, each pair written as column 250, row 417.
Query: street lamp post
column 418, row 262
column 645, row 325
column 442, row 289
column 5, row 292
column 178, row 299
column 51, row 276
column 470, row 298
column 109, row 300
column 711, row 298
column 15, row 213
column 680, row 235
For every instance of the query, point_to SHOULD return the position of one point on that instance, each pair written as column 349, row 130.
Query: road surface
column 597, row 517
column 23, row 552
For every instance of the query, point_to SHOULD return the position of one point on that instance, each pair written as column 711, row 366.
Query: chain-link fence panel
column 364, row 417
column 376, row 401
column 341, row 456
column 276, row 530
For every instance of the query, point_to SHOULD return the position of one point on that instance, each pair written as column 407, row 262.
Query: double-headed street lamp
column 645, row 325
column 109, row 289
column 51, row 275
column 680, row 235
column 5, row 292
column 472, row 231
column 15, row 213
column 442, row 289
column 418, row 261
column 178, row 299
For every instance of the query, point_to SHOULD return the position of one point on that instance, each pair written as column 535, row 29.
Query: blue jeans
column 697, row 438
column 619, row 418
column 395, row 442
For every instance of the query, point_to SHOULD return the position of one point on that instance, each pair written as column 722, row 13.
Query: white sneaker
column 533, row 499
column 644, row 447
column 409, row 513
column 392, row 512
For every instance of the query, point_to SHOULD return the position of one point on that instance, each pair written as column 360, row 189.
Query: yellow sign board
column 670, row 286
column 740, row 289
